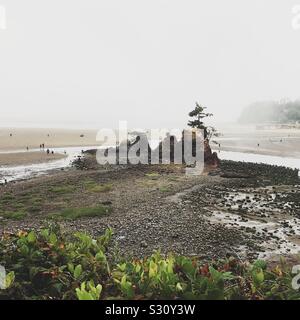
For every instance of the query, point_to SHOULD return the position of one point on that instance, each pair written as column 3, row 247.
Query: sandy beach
column 26, row 158
column 17, row 139
column 14, row 142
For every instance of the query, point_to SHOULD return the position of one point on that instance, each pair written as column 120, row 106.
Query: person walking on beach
column 48, row 151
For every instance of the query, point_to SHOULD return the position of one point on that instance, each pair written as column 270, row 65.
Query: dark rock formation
column 210, row 158
column 171, row 142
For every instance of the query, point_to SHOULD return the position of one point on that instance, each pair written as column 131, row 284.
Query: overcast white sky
column 83, row 62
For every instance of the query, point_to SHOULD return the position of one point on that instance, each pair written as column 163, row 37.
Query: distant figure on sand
column 258, row 144
column 48, row 151
column 10, row 134
column 27, row 148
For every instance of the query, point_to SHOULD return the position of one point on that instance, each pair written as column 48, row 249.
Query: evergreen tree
column 198, row 115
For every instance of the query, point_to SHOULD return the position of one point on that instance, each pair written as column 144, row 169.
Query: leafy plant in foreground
column 50, row 264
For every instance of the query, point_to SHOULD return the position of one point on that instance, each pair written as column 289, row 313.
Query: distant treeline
column 271, row 111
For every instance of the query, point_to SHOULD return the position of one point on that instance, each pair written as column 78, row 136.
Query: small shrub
column 50, row 264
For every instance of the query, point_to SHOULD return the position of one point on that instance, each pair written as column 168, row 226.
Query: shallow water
column 281, row 244
column 293, row 163
column 27, row 171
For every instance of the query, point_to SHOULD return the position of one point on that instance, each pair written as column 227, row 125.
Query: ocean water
column 14, row 173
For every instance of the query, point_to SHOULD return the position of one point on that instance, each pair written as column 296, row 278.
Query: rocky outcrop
column 210, row 158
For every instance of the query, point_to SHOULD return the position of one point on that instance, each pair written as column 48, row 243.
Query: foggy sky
column 94, row 62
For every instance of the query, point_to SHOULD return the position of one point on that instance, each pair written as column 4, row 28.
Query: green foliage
column 52, row 265
column 95, row 187
column 198, row 115
column 271, row 111
column 17, row 215
column 91, row 293
column 152, row 176
column 164, row 189
column 62, row 189
column 6, row 198
column 77, row 213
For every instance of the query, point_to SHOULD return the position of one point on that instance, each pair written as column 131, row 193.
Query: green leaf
column 258, row 276
column 71, row 268
column 9, row 280
column 100, row 256
column 53, row 238
column 179, row 287
column 24, row 250
column 83, row 295
column 122, row 267
column 78, row 271
column 45, row 233
column 31, row 238
column 152, row 269
column 215, row 274
column 260, row 264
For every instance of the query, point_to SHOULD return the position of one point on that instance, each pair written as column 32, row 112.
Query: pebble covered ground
column 243, row 210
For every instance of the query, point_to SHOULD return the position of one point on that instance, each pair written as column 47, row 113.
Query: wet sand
column 284, row 143
column 26, row 158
